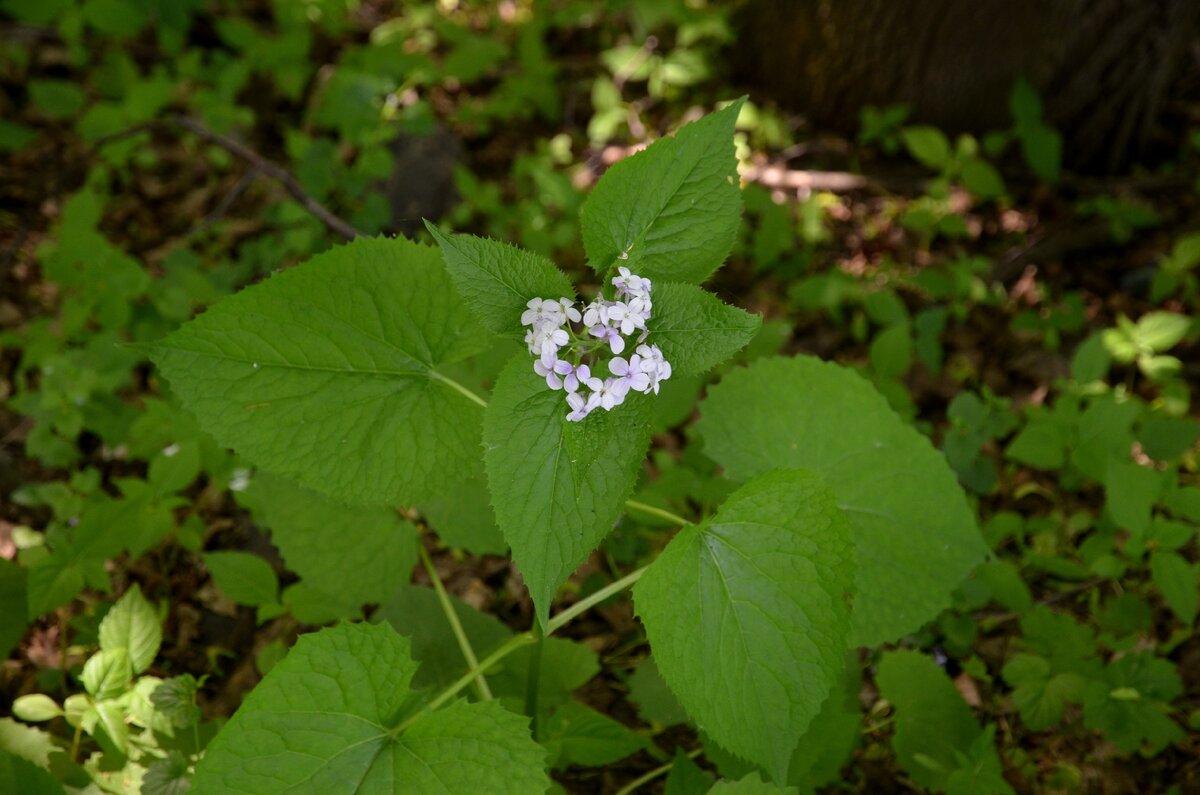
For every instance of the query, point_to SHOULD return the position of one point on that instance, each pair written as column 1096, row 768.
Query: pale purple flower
column 581, row 376
column 629, row 373
column 654, row 365
column 611, row 393
column 554, row 373
column 615, row 341
column 579, row 406
column 628, row 284
column 542, row 311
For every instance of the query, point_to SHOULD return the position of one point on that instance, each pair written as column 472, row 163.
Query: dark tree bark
column 1106, row 69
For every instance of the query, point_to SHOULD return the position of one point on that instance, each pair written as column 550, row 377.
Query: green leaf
column 415, row 613
column 51, row 581
column 12, row 595
column 747, row 614
column 916, row 537
column 1178, row 583
column 833, row 734
column 132, row 624
column 26, row 742
column 1040, row 694
column 750, row 785
column 578, row 735
column 695, row 330
column 686, row 777
column 245, row 578
column 167, row 776
column 1167, row 438
column 557, row 486
column 1091, row 360
column 36, row 708
column 462, row 516
column 670, row 212
column 106, row 674
column 654, row 699
column 982, row 179
column 1159, row 331
column 890, row 353
column 1130, row 493
column 334, row 717
column 1041, row 146
column 1130, row 704
column 497, row 279
column 928, row 145
column 376, row 548
column 19, row 775
column 327, row 373
column 58, row 99
column 933, row 723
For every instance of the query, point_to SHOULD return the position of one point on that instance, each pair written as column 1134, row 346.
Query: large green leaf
column 376, row 549
column 557, row 486
column 336, row 716
column 695, row 330
column 747, row 614
column 670, row 212
column 498, row 279
column 327, row 373
column 915, row 534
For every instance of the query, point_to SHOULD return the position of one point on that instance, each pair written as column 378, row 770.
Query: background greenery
column 1038, row 324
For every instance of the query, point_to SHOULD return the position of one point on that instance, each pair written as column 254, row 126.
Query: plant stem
column 583, row 605
column 533, row 682
column 502, row 651
column 450, row 382
column 517, row 641
column 632, row 786
column 464, row 643
column 661, row 513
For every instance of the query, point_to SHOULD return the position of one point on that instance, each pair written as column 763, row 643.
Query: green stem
column 661, row 513
column 583, row 605
column 517, row 641
column 464, row 643
column 450, row 382
column 533, row 681
column 632, row 786
column 502, row 651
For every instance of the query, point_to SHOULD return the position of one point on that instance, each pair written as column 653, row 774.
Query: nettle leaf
column 557, row 486
column 748, row 612
column 327, row 373
column 376, row 548
column 670, row 212
column 132, row 624
column 915, row 534
column 498, row 279
column 695, row 330
column 336, row 716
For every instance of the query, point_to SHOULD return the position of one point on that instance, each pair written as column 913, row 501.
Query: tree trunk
column 1106, row 69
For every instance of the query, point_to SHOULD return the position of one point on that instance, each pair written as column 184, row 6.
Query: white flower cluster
column 566, row 355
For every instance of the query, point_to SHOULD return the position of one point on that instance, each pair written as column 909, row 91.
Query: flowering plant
column 606, row 324
column 377, row 373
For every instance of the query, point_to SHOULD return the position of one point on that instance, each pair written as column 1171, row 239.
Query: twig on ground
column 260, row 164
